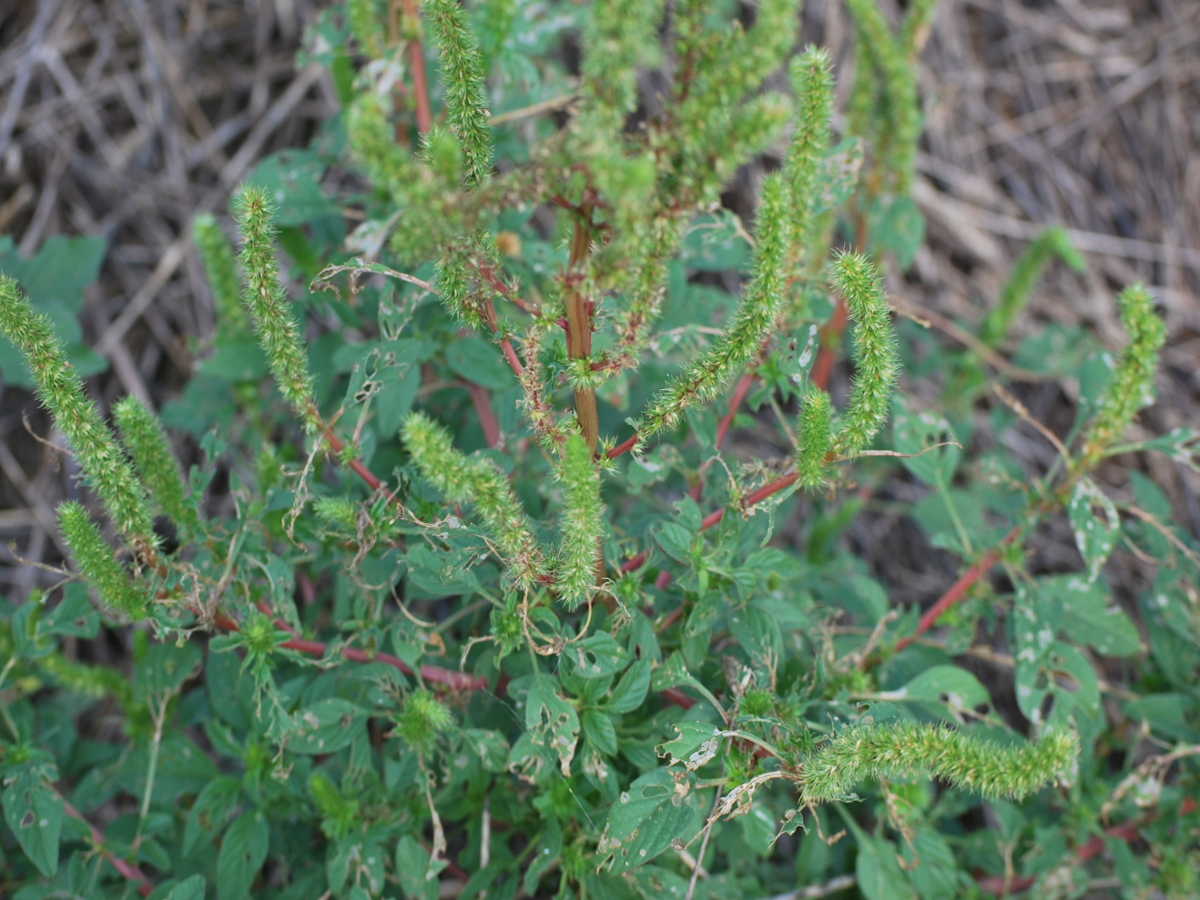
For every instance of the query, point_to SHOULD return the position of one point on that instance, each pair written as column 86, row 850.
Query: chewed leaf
column 1181, row 444
column 696, row 745
column 839, row 174
column 644, row 821
column 955, row 687
column 552, row 719
column 34, row 814
column 598, row 656
column 1095, row 535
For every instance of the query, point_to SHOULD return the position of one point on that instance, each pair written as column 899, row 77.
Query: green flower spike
column 221, row 270
column 462, row 70
column 879, row 50
column 815, row 438
column 373, row 143
column 812, row 84
column 905, row 750
column 578, row 549
column 1051, row 243
column 620, row 35
column 876, row 359
column 96, row 561
column 1132, row 385
column 760, row 305
column 61, row 392
column 367, row 26
column 478, row 482
column 144, row 438
column 277, row 330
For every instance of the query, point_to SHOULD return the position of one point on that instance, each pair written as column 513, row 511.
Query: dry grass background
column 125, row 117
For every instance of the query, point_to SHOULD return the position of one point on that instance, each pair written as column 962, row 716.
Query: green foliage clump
column 494, row 602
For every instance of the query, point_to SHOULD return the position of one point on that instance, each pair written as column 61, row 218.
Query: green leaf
column 292, row 180
column 210, row 813
column 1181, row 444
column 437, row 573
column 879, row 874
column 34, row 813
column 598, row 728
column 418, row 873
column 931, row 866
column 73, row 617
column 675, row 540
column 243, row 852
column 59, row 271
column 1089, row 618
column 1095, row 536
column 189, row 889
column 644, row 820
column 236, row 359
column 956, row 688
column 715, row 243
column 164, row 668
column 474, row 359
column 898, row 227
column 326, row 726
column 630, row 692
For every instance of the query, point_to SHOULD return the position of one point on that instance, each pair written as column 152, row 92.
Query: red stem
column 735, row 401
column 459, row 681
column 419, row 82
column 483, row 409
column 830, row 335
column 633, row 562
column 959, row 589
column 624, row 447
column 128, row 870
column 511, row 355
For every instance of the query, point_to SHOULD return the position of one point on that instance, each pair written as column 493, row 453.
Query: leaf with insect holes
column 326, row 726
column 697, row 744
column 243, row 852
column 839, row 174
column 597, row 656
column 1095, row 535
column 210, row 813
column 1181, row 444
column 644, row 820
column 34, row 813
column 1090, row 618
column 554, row 720
column 956, row 688
column 715, row 242
column 918, row 434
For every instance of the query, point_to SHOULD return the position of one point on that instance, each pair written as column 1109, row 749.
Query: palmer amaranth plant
column 489, row 610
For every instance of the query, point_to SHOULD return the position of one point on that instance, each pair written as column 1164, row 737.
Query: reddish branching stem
column 624, row 447
column 579, row 320
column 957, row 591
column 459, row 681
column 127, row 869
